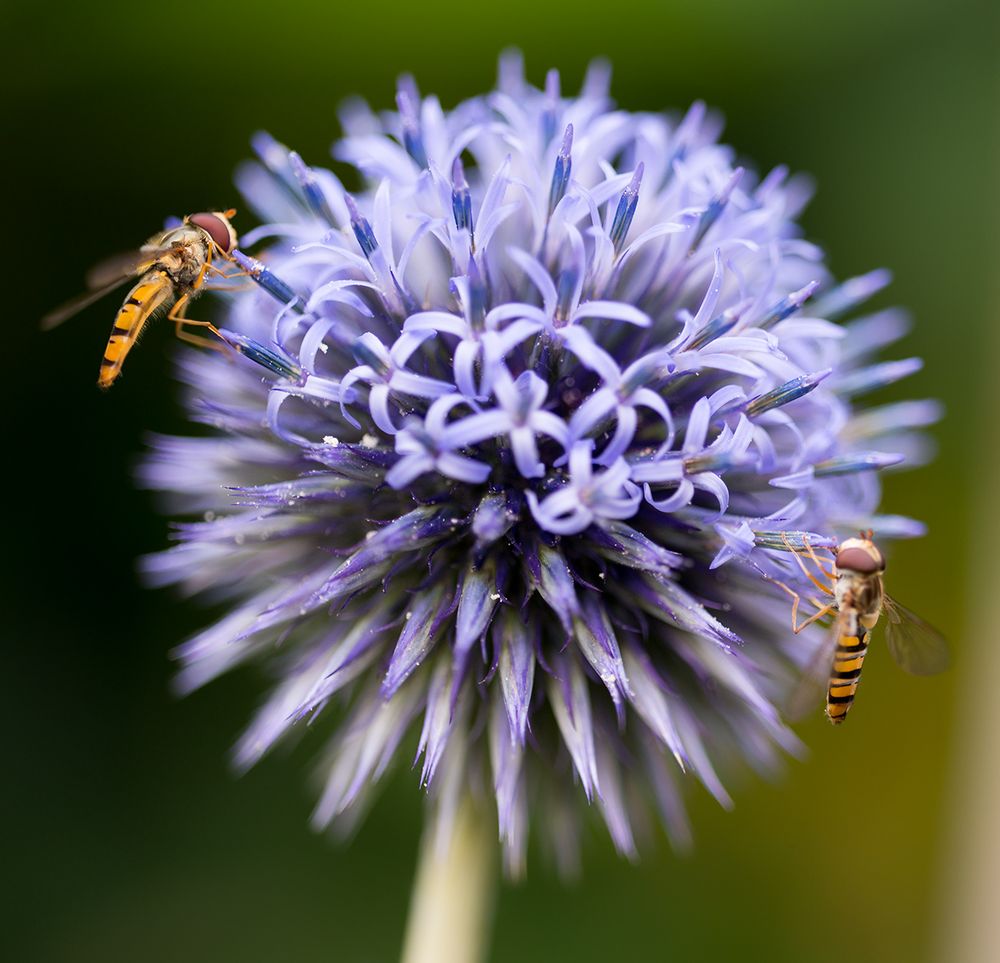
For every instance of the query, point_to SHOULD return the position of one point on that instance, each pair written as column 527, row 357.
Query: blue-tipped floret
column 270, row 357
column 362, row 229
column 626, row 210
column 715, row 208
column 312, row 190
column 562, row 170
column 461, row 199
column 787, row 306
column 410, row 119
column 783, row 394
column 266, row 278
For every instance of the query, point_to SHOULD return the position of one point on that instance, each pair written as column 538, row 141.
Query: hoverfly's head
column 859, row 555
column 216, row 225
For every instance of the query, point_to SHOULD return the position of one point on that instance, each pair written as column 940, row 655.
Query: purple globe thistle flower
column 533, row 412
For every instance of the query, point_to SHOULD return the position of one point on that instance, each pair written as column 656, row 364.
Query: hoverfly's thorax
column 185, row 261
column 859, row 593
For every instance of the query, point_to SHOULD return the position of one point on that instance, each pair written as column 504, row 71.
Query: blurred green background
column 127, row 838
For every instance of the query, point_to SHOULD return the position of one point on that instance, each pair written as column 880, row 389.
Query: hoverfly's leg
column 240, row 273
column 177, row 315
column 802, row 565
column 811, row 552
column 205, row 268
column 224, row 275
column 822, row 611
column 796, row 600
column 201, row 342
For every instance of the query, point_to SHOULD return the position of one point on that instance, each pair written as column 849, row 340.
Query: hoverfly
column 857, row 599
column 171, row 268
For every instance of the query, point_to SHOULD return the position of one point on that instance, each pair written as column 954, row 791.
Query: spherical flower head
column 512, row 440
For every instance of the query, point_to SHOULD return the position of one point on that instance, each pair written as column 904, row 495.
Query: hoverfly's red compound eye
column 858, row 560
column 215, row 228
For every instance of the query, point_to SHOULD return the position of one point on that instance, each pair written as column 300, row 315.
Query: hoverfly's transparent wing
column 103, row 278
column 810, row 692
column 119, row 267
column 916, row 646
column 74, row 305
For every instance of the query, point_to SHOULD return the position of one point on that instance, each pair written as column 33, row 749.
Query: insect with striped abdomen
column 856, row 598
column 171, row 268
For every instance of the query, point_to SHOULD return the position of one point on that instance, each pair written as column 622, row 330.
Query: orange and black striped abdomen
column 154, row 290
column 845, row 675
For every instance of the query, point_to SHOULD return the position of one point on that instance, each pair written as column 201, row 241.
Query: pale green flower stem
column 451, row 909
